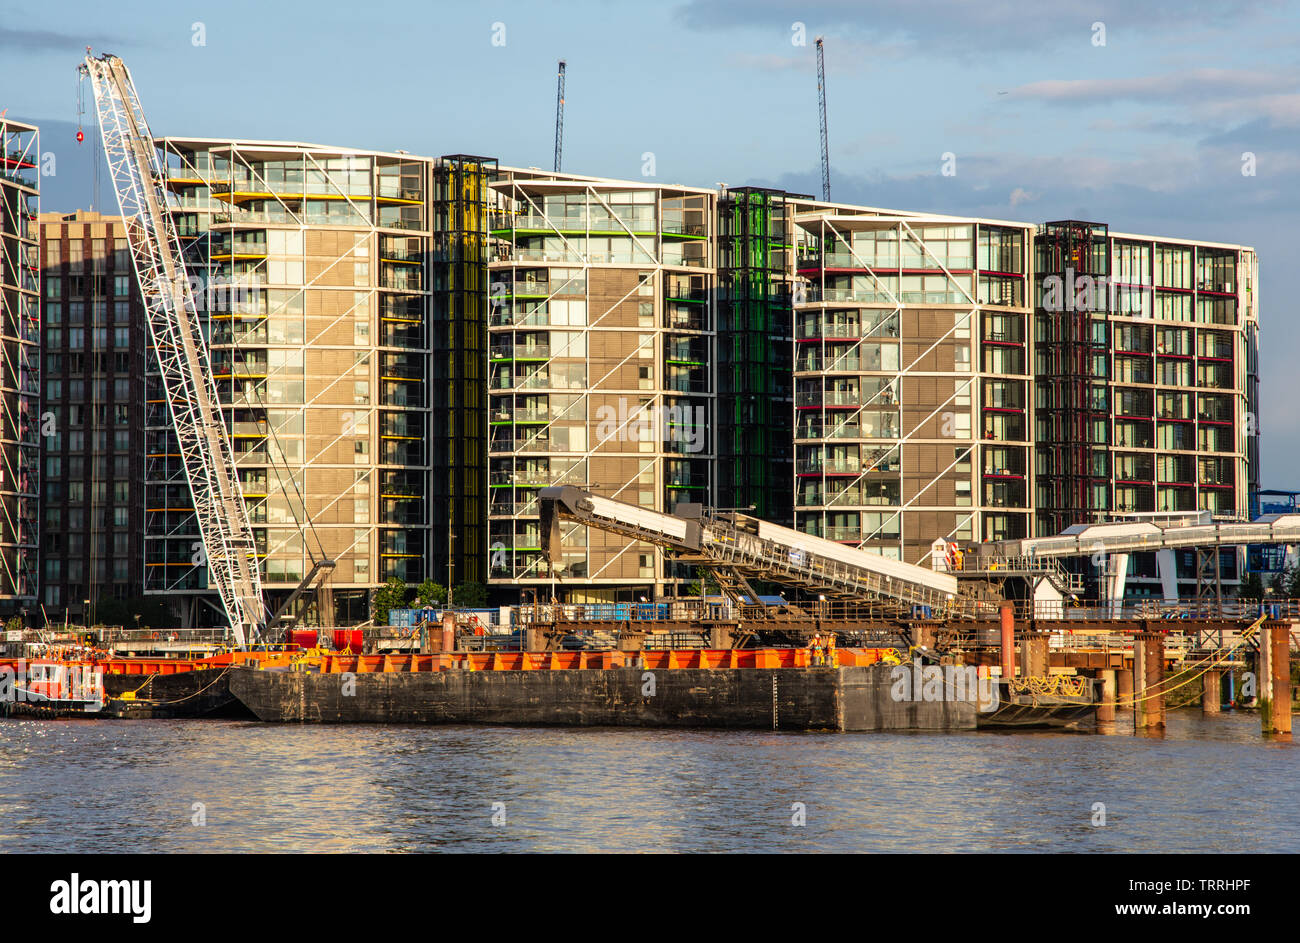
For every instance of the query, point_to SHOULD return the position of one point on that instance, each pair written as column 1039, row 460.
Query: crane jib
column 174, row 328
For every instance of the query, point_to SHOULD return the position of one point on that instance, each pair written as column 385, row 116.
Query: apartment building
column 911, row 379
column 315, row 289
column 602, row 346
column 407, row 349
column 20, row 420
column 93, row 383
column 1146, row 365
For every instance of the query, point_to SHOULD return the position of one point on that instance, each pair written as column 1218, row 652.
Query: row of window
column 98, row 391
column 81, row 287
column 77, row 464
column 99, row 338
column 56, row 569
column 77, row 252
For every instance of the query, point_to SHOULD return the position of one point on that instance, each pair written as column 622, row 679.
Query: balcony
column 402, row 425
column 409, row 396
column 402, row 484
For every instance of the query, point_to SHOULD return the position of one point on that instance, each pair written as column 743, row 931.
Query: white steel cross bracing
column 175, row 331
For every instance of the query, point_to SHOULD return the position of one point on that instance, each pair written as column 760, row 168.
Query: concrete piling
column 1155, row 676
column 1106, row 708
column 1124, row 689
column 1211, row 691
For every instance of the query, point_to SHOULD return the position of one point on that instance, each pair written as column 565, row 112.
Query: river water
column 1211, row 785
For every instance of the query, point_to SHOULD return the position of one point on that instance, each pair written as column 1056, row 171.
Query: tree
column 704, row 583
column 392, row 595
column 470, row 595
column 430, row 592
column 1252, row 587
column 1286, row 584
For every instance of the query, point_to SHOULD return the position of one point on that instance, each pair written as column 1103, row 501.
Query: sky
column 1142, row 114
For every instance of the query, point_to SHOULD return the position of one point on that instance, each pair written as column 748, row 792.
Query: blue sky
column 1145, row 133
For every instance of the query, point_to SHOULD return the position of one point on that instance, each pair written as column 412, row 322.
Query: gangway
column 1086, row 540
column 739, row 548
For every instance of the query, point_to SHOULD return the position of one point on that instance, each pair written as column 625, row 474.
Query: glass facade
column 911, row 381
column 314, row 269
column 600, row 370
column 407, row 350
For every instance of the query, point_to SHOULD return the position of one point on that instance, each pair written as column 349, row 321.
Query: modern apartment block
column 1146, row 365
column 602, row 359
column 911, row 379
column 316, row 296
column 20, row 425
column 407, row 349
column 93, row 377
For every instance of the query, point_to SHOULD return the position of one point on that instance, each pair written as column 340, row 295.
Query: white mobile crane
column 176, row 333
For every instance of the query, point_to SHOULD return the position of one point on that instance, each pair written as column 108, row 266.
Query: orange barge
column 765, row 688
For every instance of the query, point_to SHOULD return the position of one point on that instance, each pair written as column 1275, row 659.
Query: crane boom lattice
column 821, row 106
column 176, row 334
column 559, row 117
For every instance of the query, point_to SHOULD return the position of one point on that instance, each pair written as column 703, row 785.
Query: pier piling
column 1124, row 689
column 1211, row 691
column 1278, row 717
column 1154, row 648
column 1139, row 683
column 1008, row 617
column 1106, row 708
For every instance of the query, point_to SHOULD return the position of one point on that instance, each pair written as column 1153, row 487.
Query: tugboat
column 50, row 687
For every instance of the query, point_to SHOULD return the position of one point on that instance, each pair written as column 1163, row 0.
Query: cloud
column 1191, row 86
column 1021, row 195
column 41, row 40
column 971, row 29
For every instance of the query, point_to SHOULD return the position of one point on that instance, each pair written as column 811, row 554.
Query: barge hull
column 203, row 692
column 846, row 699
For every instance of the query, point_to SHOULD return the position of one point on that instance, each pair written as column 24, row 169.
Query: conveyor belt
column 756, row 549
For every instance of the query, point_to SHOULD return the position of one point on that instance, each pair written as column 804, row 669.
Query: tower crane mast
column 176, row 333
column 821, row 105
column 559, row 118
